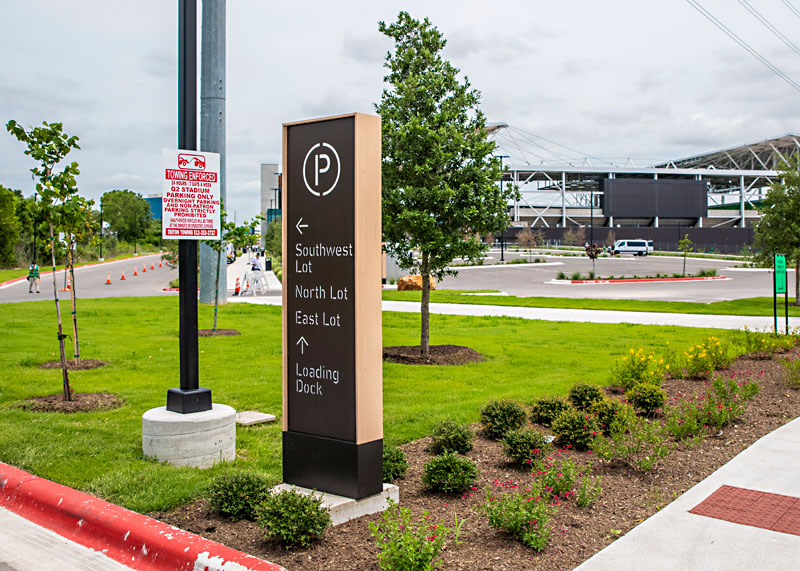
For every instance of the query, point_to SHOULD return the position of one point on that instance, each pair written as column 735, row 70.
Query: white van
column 635, row 247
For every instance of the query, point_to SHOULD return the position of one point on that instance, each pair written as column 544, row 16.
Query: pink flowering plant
column 406, row 542
column 642, row 446
column 522, row 514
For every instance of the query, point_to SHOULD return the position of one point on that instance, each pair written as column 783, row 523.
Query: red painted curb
column 130, row 538
column 638, row 280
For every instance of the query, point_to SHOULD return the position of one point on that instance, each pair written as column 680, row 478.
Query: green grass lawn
column 747, row 306
column 100, row 452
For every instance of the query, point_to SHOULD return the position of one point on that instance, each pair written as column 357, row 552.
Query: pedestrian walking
column 33, row 277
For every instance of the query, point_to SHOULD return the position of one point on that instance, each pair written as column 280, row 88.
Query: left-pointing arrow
column 303, row 344
column 299, row 225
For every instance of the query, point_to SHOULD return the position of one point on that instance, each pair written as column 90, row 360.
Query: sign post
column 780, row 286
column 332, row 350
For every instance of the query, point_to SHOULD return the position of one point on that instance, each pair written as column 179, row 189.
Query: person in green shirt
column 33, row 277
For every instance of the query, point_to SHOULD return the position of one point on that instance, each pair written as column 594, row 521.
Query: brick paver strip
column 752, row 507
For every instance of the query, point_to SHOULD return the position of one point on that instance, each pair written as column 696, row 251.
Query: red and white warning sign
column 190, row 208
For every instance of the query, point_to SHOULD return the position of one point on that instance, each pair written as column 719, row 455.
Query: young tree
column 127, row 214
column 230, row 234
column 439, row 176
column 77, row 222
column 10, row 227
column 685, row 246
column 778, row 231
column 48, row 145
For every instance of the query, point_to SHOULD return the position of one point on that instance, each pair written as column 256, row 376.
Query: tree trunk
column 64, row 374
column 796, row 281
column 74, row 306
column 684, row 264
column 216, row 290
column 424, row 338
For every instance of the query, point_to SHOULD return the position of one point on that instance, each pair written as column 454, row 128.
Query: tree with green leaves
column 10, row 227
column 778, row 231
column 440, row 178
column 685, row 246
column 230, row 234
column 49, row 145
column 127, row 214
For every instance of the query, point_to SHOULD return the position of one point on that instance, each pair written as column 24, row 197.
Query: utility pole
column 212, row 129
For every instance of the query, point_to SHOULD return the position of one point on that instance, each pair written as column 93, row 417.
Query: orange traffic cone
column 134, row 272
column 159, row 263
column 123, row 275
column 144, row 269
column 108, row 279
column 238, row 287
column 247, row 285
column 152, row 266
column 69, row 284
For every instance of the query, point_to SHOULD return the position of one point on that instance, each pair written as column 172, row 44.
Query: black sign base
column 333, row 466
column 187, row 401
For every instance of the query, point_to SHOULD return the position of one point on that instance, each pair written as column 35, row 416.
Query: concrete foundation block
column 199, row 439
column 344, row 509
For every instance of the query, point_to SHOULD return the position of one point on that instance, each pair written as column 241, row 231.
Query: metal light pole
column 35, row 224
column 502, row 237
column 101, row 229
column 190, row 397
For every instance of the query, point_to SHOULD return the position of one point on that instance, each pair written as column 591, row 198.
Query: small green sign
column 780, row 273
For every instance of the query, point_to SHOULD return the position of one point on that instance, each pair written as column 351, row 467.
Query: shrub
column 763, row 345
column 575, row 428
column 236, row 495
column 522, row 445
column 449, row 436
column 582, row 396
column 642, row 447
column 498, row 417
column 685, row 419
column 406, row 543
column 589, row 490
column 523, row 516
column 611, row 415
column 726, row 400
column 575, row 276
column 647, row 398
column 449, row 473
column 394, row 463
column 546, row 409
column 707, row 272
column 561, row 276
column 557, row 474
column 791, row 369
column 293, row 519
column 638, row 367
column 701, row 360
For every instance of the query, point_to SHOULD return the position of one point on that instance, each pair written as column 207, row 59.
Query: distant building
column 154, row 200
column 271, row 180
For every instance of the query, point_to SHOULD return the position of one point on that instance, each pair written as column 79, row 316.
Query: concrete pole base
column 199, row 439
column 344, row 509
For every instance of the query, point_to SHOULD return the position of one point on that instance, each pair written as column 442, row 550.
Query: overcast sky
column 612, row 79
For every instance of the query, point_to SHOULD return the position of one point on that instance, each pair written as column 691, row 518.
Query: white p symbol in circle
column 319, row 169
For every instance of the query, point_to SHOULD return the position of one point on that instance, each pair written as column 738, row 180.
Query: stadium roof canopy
column 763, row 155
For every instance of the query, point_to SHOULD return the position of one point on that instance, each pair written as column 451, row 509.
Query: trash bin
column 267, row 265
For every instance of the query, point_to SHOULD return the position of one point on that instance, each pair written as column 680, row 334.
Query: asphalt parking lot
column 536, row 279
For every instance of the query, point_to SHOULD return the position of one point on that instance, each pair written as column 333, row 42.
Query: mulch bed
column 439, row 355
column 81, row 402
column 628, row 497
column 82, row 365
column 217, row 333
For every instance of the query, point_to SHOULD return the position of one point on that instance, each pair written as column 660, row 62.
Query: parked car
column 635, row 247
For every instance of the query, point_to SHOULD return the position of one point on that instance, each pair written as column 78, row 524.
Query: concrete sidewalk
column 674, row 538
column 578, row 315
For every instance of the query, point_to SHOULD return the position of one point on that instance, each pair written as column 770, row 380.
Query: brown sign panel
column 331, row 229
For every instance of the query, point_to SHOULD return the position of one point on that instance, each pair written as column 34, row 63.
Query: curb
column 130, row 538
column 641, row 280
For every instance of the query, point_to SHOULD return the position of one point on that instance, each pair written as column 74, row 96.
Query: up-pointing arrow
column 298, row 225
column 303, row 344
